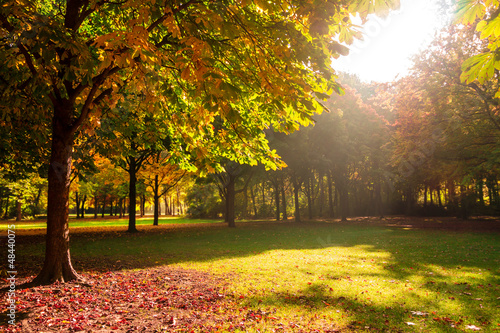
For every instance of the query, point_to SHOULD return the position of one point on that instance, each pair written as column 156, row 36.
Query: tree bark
column 57, row 265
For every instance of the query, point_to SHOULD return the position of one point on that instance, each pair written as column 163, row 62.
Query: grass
column 359, row 278
column 114, row 222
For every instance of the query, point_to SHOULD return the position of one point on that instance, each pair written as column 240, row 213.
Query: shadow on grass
column 439, row 260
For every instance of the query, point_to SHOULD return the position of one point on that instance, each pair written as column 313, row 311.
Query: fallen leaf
column 472, row 327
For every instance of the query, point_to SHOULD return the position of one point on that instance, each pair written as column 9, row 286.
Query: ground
column 134, row 296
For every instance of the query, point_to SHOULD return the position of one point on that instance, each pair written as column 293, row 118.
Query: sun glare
column 385, row 53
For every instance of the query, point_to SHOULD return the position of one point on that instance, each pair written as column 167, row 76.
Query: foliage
column 204, row 201
column 485, row 16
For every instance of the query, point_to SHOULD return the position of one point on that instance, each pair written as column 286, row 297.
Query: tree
column 74, row 57
column 161, row 176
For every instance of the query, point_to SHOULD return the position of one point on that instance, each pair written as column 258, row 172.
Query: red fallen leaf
column 436, row 319
column 241, row 296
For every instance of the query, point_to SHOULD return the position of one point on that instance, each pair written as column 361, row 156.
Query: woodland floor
column 132, row 297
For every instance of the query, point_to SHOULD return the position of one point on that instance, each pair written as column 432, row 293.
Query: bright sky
column 389, row 43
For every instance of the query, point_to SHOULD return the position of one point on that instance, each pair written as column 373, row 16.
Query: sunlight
column 389, row 43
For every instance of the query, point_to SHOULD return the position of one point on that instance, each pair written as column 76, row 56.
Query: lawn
column 100, row 222
column 328, row 277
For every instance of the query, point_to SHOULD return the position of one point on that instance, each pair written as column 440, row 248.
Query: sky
column 389, row 43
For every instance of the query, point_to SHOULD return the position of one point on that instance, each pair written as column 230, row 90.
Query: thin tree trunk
column 230, row 199
column 96, row 205
column 296, row 188
column 19, row 212
column 103, row 206
column 277, row 198
column 82, row 209
column 330, row 196
column 77, row 201
column 254, row 204
column 283, row 197
column 120, row 203
column 309, row 197
column 6, row 215
column 156, row 190
column 179, row 204
column 132, row 195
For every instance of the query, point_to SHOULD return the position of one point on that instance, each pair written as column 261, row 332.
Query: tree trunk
column 57, row 265
column 82, row 208
column 296, row 188
column 254, row 204
column 167, row 206
column 343, row 198
column 6, row 214
column 103, row 206
column 179, row 203
column 283, row 197
column 77, row 201
column 277, row 198
column 120, row 203
column 96, row 205
column 425, row 196
column 330, row 196
column 142, row 204
column 156, row 190
column 309, row 197
column 321, row 179
column 230, row 199
column 19, row 211
column 132, row 195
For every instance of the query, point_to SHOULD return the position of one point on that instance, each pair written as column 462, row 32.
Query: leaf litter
column 161, row 299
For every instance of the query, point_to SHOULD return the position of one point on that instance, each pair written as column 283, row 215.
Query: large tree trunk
column 57, row 265
column 132, row 196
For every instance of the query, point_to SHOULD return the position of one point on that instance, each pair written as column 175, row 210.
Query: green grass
column 89, row 222
column 359, row 278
